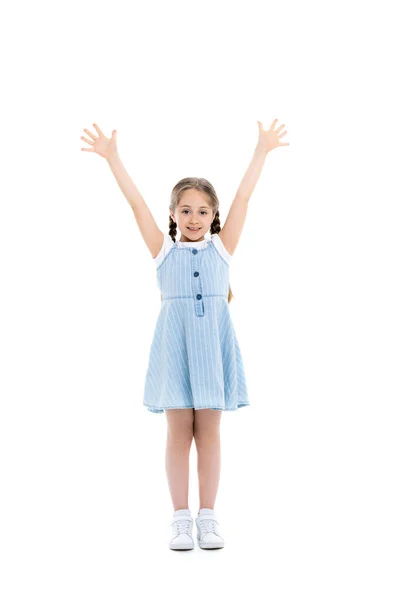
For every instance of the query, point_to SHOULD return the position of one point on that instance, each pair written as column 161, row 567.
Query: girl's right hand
column 102, row 145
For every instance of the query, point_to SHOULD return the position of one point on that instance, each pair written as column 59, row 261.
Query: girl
column 195, row 368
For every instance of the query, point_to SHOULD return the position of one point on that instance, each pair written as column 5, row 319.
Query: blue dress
column 195, row 359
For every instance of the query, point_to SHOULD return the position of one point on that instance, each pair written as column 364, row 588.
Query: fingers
column 91, row 134
column 93, row 140
column 86, row 140
column 98, row 130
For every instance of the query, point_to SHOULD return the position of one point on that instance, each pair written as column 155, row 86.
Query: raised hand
column 102, row 145
column 269, row 139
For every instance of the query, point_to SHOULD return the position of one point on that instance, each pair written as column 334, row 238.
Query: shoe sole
column 210, row 545
column 188, row 546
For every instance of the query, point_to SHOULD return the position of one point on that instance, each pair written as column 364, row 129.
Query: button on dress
column 195, row 360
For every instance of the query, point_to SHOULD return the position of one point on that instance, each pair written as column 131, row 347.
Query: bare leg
column 179, row 441
column 207, row 439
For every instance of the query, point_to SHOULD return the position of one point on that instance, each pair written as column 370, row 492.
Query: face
column 193, row 210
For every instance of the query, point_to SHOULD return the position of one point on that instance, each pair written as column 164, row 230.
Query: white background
column 309, row 490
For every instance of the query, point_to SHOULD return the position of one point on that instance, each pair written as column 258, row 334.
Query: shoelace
column 208, row 525
column 183, row 526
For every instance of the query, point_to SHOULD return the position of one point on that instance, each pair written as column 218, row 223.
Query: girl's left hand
column 269, row 139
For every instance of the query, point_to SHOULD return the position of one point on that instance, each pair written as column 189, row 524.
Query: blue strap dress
column 195, row 359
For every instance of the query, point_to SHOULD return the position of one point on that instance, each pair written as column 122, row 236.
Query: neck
column 183, row 238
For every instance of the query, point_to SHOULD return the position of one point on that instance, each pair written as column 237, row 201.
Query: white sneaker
column 208, row 532
column 182, row 524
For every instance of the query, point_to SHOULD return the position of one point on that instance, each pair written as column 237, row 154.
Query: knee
column 181, row 436
column 180, row 426
column 206, row 427
column 206, row 436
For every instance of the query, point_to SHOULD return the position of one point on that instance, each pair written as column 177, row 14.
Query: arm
column 152, row 235
column 232, row 229
column 107, row 148
column 252, row 174
column 267, row 141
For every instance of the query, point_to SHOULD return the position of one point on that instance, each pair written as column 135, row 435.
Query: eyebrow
column 188, row 206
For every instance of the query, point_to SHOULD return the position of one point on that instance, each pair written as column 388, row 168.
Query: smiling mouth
column 194, row 228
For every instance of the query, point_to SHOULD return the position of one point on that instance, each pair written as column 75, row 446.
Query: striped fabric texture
column 195, row 359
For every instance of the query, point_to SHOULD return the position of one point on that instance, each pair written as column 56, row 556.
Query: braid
column 216, row 224
column 172, row 228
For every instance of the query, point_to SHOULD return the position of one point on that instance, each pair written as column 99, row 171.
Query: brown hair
column 203, row 186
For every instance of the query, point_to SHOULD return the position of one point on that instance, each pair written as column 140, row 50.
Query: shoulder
column 220, row 247
column 168, row 244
